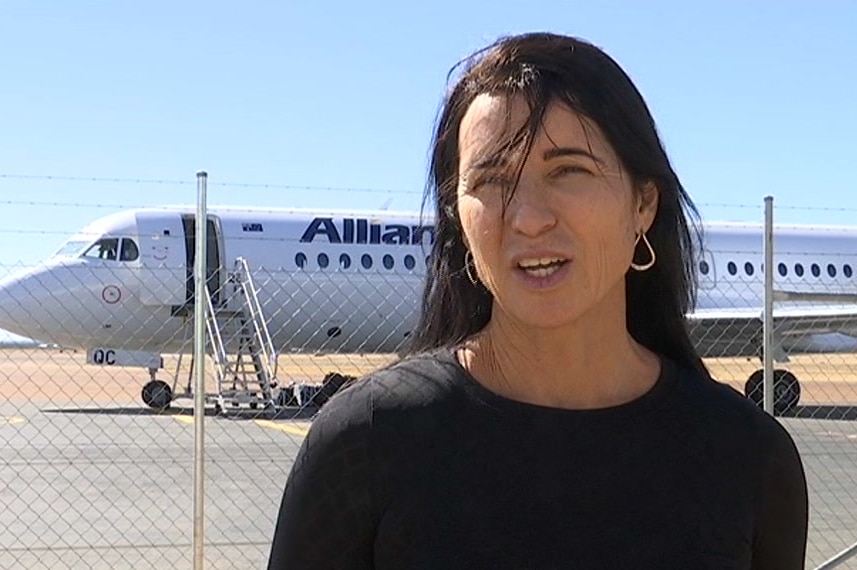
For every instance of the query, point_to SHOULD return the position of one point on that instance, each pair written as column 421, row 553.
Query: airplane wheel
column 157, row 394
column 786, row 391
column 332, row 383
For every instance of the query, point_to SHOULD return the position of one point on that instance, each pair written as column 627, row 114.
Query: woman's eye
column 491, row 180
column 571, row 169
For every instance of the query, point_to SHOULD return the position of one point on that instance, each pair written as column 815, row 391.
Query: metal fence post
column 199, row 377
column 768, row 328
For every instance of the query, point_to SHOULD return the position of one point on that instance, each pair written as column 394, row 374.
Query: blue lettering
column 360, row 230
column 348, row 230
column 397, row 235
column 322, row 226
column 101, row 356
column 419, row 231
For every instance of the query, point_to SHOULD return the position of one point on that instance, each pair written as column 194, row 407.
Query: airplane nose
column 29, row 306
column 16, row 304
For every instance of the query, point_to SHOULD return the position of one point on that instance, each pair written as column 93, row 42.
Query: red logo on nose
column 111, row 294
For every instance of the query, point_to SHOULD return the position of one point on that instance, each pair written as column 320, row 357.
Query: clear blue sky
column 751, row 98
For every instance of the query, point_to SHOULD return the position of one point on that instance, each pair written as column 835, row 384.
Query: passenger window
column 748, row 268
column 300, row 260
column 323, row 261
column 703, row 267
column 410, row 262
column 732, row 268
column 366, row 261
column 799, row 269
column 831, row 270
column 816, row 270
column 388, row 261
column 130, row 252
column 344, row 261
column 846, row 270
column 782, row 269
column 105, row 248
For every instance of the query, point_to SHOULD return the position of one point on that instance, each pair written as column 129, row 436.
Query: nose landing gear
column 157, row 394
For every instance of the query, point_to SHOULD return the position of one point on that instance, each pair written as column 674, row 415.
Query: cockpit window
column 123, row 249
column 105, row 248
column 129, row 250
column 71, row 248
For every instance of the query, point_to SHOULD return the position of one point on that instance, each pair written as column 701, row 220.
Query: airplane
column 336, row 281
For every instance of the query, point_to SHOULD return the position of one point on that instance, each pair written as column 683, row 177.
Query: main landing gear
column 786, row 391
column 158, row 395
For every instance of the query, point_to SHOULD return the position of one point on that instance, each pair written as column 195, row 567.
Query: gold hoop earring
column 468, row 261
column 651, row 262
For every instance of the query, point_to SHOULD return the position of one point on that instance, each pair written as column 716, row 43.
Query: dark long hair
column 543, row 68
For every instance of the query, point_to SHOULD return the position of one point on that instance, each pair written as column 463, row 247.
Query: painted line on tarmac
column 294, row 430
column 836, row 435
column 12, row 420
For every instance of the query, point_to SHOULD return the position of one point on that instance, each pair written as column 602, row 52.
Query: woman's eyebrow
column 489, row 162
column 499, row 161
column 561, row 151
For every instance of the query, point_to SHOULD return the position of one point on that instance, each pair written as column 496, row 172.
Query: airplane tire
column 786, row 391
column 157, row 394
column 333, row 382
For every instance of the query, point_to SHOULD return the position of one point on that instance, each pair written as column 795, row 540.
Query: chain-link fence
column 97, row 423
column 814, row 343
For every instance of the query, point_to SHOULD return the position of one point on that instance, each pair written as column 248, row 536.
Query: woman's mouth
column 542, row 267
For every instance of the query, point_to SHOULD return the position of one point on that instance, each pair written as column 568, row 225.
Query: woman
column 552, row 412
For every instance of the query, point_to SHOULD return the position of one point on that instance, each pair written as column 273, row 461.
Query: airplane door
column 161, row 272
column 213, row 262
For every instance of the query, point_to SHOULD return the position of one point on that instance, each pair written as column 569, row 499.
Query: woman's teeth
column 542, row 267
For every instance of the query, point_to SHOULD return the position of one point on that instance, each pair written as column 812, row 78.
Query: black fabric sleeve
column 325, row 517
column 781, row 532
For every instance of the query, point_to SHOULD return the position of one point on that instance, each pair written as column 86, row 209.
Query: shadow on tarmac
column 285, row 413
column 842, row 413
column 847, row 413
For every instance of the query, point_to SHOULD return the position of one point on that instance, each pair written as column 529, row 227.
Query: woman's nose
column 530, row 211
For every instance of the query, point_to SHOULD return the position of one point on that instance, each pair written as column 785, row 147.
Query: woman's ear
column 647, row 205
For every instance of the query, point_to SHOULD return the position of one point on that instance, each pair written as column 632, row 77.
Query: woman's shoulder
column 413, row 381
column 713, row 401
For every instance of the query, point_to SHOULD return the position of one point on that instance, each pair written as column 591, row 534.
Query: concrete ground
column 91, row 478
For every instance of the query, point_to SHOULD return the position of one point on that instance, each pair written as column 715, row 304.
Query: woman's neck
column 592, row 363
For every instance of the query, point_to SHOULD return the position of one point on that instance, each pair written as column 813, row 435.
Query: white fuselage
column 328, row 281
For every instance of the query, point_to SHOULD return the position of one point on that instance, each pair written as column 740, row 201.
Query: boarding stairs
column 242, row 324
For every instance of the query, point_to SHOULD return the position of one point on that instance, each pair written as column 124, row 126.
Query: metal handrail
column 260, row 327
column 214, row 334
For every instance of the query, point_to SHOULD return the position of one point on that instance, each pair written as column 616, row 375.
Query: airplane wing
column 738, row 331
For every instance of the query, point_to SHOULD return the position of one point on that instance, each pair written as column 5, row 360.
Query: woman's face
column 567, row 238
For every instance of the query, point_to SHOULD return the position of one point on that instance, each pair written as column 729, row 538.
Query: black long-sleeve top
column 418, row 466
